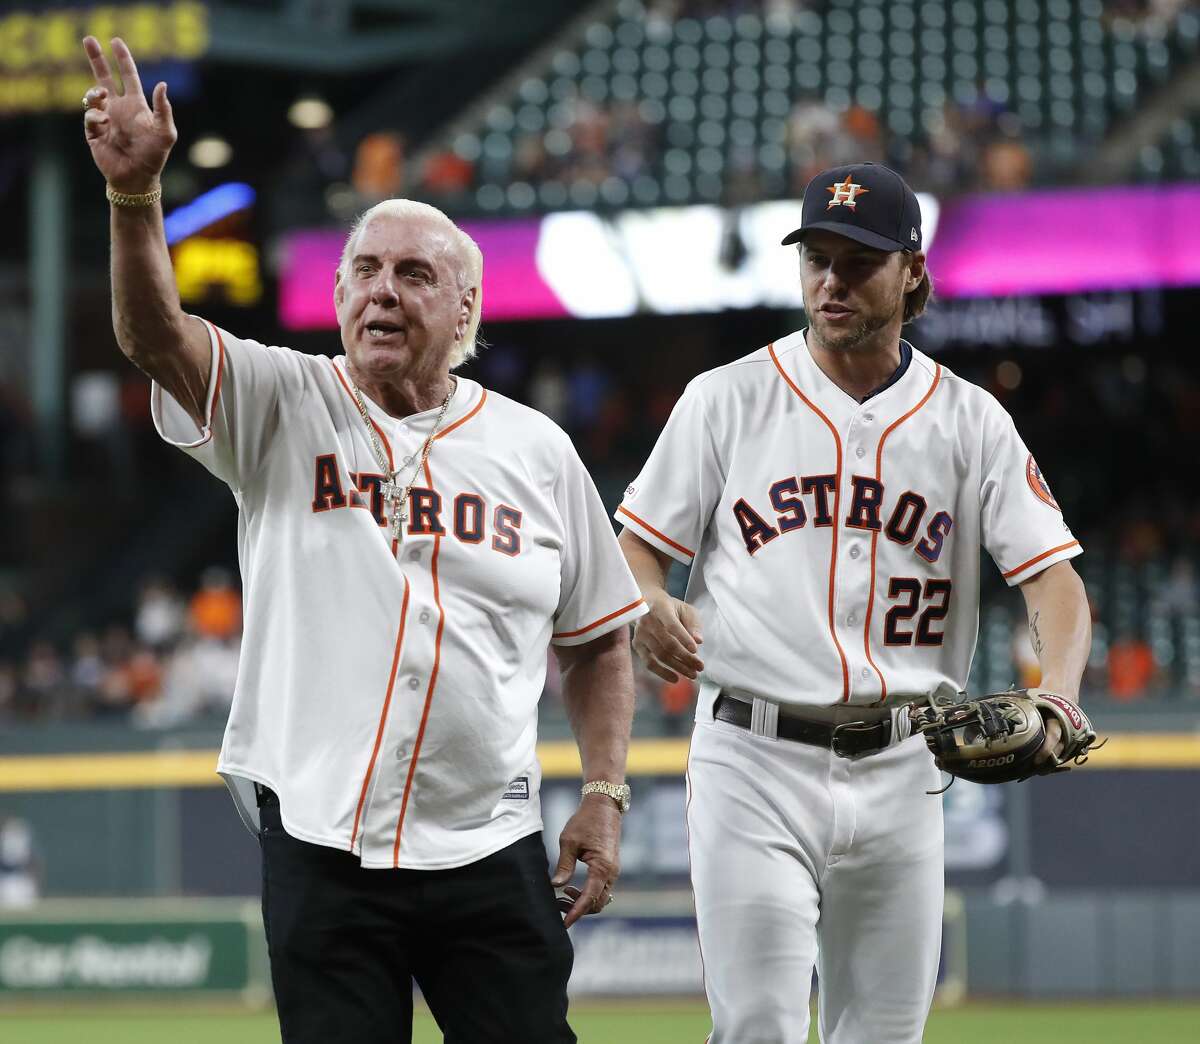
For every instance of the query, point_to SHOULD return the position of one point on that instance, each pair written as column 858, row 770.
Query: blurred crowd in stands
column 174, row 661
column 976, row 146
column 171, row 656
column 1148, row 15
column 592, row 142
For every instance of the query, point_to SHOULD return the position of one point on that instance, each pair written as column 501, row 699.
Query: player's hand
column 592, row 835
column 130, row 141
column 668, row 638
column 1052, row 747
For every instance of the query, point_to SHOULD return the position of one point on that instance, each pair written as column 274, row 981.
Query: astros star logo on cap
column 892, row 211
column 844, row 193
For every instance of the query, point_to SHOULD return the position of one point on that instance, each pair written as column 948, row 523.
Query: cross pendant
column 393, row 497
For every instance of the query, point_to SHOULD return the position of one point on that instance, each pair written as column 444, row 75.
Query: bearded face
column 853, row 294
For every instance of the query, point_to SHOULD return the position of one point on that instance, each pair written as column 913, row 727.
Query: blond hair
column 470, row 267
column 917, row 298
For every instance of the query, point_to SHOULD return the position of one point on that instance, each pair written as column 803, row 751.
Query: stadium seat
column 726, row 83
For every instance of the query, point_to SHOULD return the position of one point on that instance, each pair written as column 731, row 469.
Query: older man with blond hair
column 410, row 545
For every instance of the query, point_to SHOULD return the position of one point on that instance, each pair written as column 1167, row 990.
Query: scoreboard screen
column 42, row 65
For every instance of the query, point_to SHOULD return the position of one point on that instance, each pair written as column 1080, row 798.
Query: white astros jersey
column 835, row 545
column 390, row 699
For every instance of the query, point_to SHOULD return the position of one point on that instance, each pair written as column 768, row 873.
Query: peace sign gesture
column 130, row 141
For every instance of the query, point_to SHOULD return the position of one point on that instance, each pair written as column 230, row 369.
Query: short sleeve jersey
column 388, row 692
column 833, row 544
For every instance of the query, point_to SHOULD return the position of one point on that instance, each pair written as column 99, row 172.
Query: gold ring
column 87, row 103
column 611, row 897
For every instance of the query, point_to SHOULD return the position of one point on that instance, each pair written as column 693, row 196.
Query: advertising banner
column 660, row 956
column 59, row 948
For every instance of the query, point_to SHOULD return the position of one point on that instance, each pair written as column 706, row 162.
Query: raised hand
column 130, row 141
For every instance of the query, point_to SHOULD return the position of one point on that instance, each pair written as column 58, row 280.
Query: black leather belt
column 849, row 739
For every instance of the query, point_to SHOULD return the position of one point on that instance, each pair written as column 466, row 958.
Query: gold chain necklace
column 395, row 497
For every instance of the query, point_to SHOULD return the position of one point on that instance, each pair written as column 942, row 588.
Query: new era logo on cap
column 866, row 202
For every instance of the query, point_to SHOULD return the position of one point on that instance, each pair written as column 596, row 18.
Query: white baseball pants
column 802, row 858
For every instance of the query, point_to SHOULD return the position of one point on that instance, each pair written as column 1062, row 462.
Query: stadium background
column 628, row 168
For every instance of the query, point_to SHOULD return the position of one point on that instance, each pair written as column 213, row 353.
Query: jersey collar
column 905, row 358
column 819, row 379
column 467, row 396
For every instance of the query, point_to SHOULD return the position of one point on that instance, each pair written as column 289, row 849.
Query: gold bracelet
column 131, row 199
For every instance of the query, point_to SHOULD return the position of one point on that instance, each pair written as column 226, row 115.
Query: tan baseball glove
column 996, row 738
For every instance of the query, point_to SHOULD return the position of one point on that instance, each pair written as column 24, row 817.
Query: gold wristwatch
column 619, row 792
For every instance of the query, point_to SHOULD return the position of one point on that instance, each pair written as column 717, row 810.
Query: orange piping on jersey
column 463, row 420
column 1044, row 554
column 220, row 373
column 437, row 660
column 837, row 514
column 597, row 623
column 937, row 376
column 379, row 431
column 212, row 411
column 387, row 701
column 650, row 529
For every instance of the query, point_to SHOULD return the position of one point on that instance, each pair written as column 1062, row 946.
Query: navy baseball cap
column 866, row 202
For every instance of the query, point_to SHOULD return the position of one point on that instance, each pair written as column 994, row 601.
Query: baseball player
column 830, row 493
column 410, row 545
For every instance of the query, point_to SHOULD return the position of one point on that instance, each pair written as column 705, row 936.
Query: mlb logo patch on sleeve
column 518, row 789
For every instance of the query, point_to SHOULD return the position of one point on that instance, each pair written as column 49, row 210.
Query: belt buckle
column 847, row 727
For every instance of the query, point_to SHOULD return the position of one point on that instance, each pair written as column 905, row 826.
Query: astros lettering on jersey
column 388, row 692
column 837, row 542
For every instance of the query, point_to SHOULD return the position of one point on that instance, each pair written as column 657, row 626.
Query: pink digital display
column 308, row 262
column 512, row 286
column 1068, row 241
column 1062, row 241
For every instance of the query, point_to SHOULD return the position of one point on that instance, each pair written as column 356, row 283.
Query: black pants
column 485, row 943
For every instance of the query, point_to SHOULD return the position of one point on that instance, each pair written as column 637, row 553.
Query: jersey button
column 860, row 453
column 852, row 619
column 868, row 417
column 426, row 616
column 401, row 753
column 866, row 672
column 414, row 556
column 414, row 682
column 854, row 552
